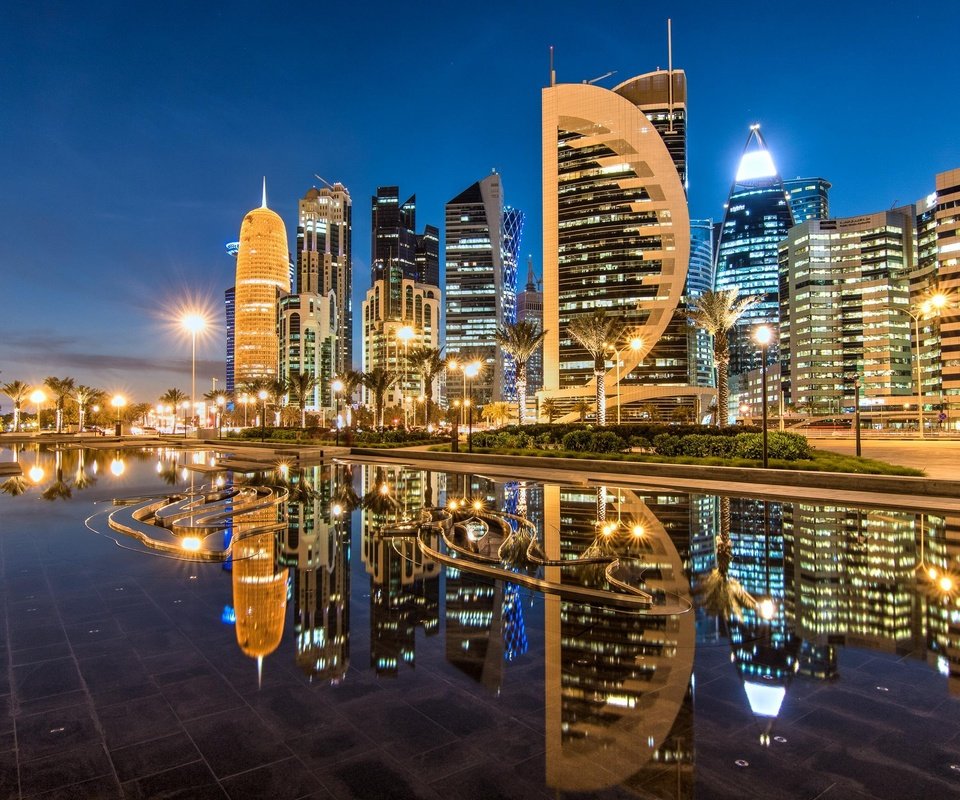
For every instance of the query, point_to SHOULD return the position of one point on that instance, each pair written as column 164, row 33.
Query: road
column 938, row 458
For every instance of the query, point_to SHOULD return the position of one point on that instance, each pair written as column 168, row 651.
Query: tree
column 83, row 396
column 429, row 364
column 219, row 399
column 174, row 398
column 681, row 414
column 521, row 341
column 302, row 385
column 582, row 407
column 61, row 388
column 352, row 380
column 16, row 391
column 594, row 332
column 716, row 313
column 549, row 409
column 496, row 413
column 378, row 382
column 649, row 411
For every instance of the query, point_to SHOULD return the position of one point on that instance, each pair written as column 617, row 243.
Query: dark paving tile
column 93, row 630
column 458, row 713
column 141, row 617
column 64, row 769
column 178, row 666
column 32, row 681
column 338, row 741
column 9, row 777
column 250, row 743
column 292, row 709
column 51, row 702
column 372, row 776
column 111, row 679
column 103, row 788
column 46, row 653
column 402, row 729
column 50, row 732
column 200, row 696
column 155, row 755
column 282, row 780
column 138, row 720
column 189, row 782
column 30, row 637
column 159, row 642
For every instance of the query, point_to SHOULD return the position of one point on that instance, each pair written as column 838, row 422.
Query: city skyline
column 154, row 138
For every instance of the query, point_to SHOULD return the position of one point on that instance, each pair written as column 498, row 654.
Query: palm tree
column 61, row 388
column 594, row 332
column 378, row 381
column 352, row 380
column 716, row 313
column 174, row 397
column 218, row 399
column 582, row 407
column 277, row 389
column 302, row 385
column 16, row 391
column 84, row 396
column 521, row 341
column 496, row 413
column 549, row 409
column 429, row 364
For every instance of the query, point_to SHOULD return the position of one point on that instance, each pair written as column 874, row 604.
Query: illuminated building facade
column 699, row 280
column 325, row 262
column 397, row 250
column 308, row 343
column 263, row 274
column 756, row 220
column 809, row 198
column 948, row 269
column 482, row 246
column 416, row 306
column 530, row 309
column 230, row 318
column 616, row 233
column 843, row 285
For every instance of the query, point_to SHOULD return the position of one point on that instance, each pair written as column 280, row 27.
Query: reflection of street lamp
column 337, row 389
column 38, row 398
column 763, row 336
column 193, row 323
column 118, row 402
column 470, row 371
column 635, row 344
column 263, row 394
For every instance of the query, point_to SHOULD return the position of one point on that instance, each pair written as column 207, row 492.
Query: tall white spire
column 264, row 202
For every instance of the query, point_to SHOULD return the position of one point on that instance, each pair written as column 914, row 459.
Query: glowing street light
column 221, row 402
column 338, row 388
column 38, row 398
column 263, row 394
column 405, row 334
column 763, row 336
column 194, row 323
column 118, row 402
column 931, row 307
column 636, row 344
column 470, row 371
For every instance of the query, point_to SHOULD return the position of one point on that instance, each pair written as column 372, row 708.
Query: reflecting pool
column 366, row 630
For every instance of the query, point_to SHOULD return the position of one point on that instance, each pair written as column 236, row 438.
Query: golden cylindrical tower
column 263, row 272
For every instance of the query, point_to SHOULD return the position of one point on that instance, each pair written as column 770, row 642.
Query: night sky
column 134, row 136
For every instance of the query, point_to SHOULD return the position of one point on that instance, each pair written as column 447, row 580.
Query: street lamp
column 405, row 334
column 221, row 402
column 263, row 394
column 118, row 402
column 38, row 398
column 470, row 371
column 245, row 399
column 453, row 365
column 337, row 389
column 184, row 406
column 193, row 323
column 926, row 309
column 636, row 343
column 763, row 336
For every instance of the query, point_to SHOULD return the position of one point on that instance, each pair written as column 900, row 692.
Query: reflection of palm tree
column 379, row 500
column 343, row 492
column 723, row 596
column 59, row 489
column 15, row 486
column 81, row 480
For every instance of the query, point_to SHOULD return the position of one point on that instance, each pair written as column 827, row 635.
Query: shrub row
column 554, row 433
column 785, row 446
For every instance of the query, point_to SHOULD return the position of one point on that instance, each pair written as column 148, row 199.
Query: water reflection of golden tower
column 259, row 587
column 263, row 271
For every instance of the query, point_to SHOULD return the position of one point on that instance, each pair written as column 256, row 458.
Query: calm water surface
column 732, row 647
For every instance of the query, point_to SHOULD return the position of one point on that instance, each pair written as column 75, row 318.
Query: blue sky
column 134, row 138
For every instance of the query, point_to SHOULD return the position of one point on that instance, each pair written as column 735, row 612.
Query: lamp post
column 763, row 336
column 635, row 344
column 118, row 402
column 221, row 402
column 38, row 398
column 193, row 323
column 263, row 394
column 405, row 334
column 470, row 371
column 245, row 399
column 184, row 406
column 337, row 389
column 930, row 307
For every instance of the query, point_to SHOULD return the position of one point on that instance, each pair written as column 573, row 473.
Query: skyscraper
column 699, row 280
column 616, row 233
column 324, row 259
column 230, row 315
column 757, row 219
column 263, row 273
column 530, row 309
column 397, row 250
column 809, row 198
column 948, row 269
column 843, row 285
column 482, row 243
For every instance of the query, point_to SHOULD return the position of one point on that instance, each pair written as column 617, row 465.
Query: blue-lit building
column 757, row 219
column 699, row 280
column 809, row 198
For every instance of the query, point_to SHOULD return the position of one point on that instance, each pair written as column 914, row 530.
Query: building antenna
column 670, row 70
column 553, row 72
column 601, row 77
column 324, row 180
column 264, row 203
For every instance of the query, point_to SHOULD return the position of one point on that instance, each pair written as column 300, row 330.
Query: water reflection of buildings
column 316, row 544
column 404, row 586
column 625, row 709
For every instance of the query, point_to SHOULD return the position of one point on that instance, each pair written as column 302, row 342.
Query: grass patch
column 821, row 462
